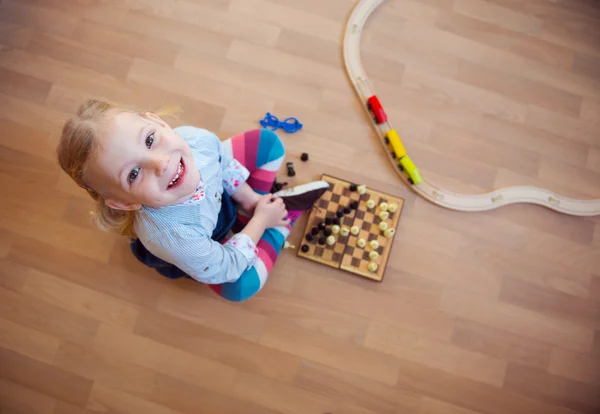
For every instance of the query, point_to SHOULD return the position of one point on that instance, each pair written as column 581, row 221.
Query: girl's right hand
column 271, row 211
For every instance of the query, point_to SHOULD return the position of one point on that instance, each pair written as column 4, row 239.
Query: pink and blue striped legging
column 261, row 152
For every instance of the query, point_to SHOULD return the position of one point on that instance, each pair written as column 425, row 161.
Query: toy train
column 393, row 140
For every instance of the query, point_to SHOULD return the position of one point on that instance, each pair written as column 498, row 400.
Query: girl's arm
column 246, row 197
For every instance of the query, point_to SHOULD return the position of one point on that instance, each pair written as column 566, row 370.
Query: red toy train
column 376, row 109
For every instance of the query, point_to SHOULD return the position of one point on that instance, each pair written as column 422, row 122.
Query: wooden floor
column 478, row 313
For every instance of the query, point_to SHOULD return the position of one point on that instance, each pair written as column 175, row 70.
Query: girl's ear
column 120, row 205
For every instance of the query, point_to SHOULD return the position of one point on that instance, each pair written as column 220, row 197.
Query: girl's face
column 142, row 161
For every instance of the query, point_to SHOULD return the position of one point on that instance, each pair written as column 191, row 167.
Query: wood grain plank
column 586, row 65
column 353, row 389
column 46, row 318
column 590, row 109
column 583, row 180
column 23, row 86
column 295, row 311
column 561, row 79
column 330, row 352
column 41, row 18
column 357, row 301
column 500, row 344
column 520, row 44
column 67, row 408
column 432, row 406
column 522, row 90
column 468, row 276
column 134, row 287
column 223, row 21
column 12, row 274
column 296, row 68
column 186, row 398
column 499, row 16
column 212, row 345
column 126, row 43
column 176, row 31
column 575, row 366
column 436, row 354
column 273, row 13
column 28, row 342
column 211, row 312
column 193, row 86
column 180, row 364
column 469, row 394
column 106, row 399
column 465, row 144
column 22, row 399
column 89, row 57
column 577, row 34
column 39, row 143
column 14, row 35
column 248, row 77
column 546, row 301
column 593, row 161
column 518, row 320
column 280, row 397
column 44, row 378
column 549, row 388
column 581, row 257
column 550, row 143
column 99, row 365
column 79, row 299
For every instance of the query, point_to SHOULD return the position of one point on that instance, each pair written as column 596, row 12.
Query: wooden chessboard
column 344, row 253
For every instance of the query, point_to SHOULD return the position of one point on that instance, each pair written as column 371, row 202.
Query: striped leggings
column 261, row 152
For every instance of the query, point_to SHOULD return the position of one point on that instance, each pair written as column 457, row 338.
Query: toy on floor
column 289, row 125
column 290, row 169
column 352, row 228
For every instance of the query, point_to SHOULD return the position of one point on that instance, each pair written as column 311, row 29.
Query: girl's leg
column 261, row 152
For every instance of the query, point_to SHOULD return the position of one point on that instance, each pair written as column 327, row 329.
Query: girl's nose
column 160, row 163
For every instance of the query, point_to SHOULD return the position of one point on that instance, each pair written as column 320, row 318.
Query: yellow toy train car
column 406, row 164
column 393, row 139
column 399, row 153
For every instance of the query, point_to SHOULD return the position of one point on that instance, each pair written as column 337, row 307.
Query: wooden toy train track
column 405, row 167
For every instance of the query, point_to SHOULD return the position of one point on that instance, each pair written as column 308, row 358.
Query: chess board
column 344, row 254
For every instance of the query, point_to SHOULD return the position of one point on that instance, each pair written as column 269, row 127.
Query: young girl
column 176, row 191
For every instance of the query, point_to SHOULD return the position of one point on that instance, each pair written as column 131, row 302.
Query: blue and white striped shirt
column 181, row 234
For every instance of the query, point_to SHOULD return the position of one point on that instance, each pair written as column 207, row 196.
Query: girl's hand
column 271, row 211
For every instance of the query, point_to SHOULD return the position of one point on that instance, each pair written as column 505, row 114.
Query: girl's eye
column 149, row 140
column 133, row 174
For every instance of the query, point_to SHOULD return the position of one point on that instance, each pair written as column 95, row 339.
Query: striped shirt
column 181, row 233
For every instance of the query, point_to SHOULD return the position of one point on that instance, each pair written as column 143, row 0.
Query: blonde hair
column 78, row 142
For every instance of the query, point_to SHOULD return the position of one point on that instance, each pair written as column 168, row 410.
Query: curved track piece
column 439, row 196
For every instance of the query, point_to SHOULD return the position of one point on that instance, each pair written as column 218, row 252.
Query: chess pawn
column 389, row 232
column 393, row 208
column 344, row 231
